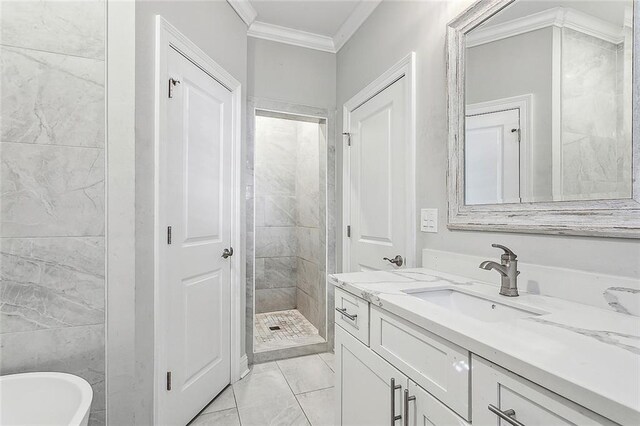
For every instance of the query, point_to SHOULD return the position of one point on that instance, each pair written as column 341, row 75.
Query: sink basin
column 474, row 306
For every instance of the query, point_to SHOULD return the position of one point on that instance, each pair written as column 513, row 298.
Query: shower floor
column 293, row 329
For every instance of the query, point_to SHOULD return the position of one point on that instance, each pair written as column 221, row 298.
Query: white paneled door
column 378, row 189
column 492, row 157
column 195, row 177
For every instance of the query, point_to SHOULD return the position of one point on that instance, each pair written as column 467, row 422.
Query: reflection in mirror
column 548, row 103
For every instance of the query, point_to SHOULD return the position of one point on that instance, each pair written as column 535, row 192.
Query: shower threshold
column 283, row 329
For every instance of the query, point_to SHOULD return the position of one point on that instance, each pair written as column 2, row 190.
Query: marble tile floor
column 294, row 330
column 296, row 391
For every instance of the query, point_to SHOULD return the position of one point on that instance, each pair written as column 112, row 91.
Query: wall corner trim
column 353, row 22
column 245, row 10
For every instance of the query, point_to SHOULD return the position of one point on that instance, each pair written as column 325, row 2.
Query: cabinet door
column 363, row 385
column 502, row 398
column 437, row 365
column 422, row 409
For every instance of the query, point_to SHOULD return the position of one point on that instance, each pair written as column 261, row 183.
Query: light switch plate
column 429, row 220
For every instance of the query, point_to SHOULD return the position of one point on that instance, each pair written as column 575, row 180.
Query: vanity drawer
column 533, row 405
column 435, row 364
column 352, row 314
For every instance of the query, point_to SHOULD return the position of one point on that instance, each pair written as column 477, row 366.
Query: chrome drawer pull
column 407, row 398
column 394, row 388
column 506, row 415
column 343, row 311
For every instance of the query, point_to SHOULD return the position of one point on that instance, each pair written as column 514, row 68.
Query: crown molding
column 559, row 17
column 266, row 31
column 353, row 22
column 245, row 10
column 291, row 36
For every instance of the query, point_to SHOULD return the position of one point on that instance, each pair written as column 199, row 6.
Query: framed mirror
column 543, row 104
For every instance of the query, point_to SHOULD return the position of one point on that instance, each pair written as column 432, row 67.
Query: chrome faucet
column 507, row 268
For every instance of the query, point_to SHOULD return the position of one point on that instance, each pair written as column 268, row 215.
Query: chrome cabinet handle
column 227, row 252
column 398, row 260
column 343, row 311
column 407, row 398
column 394, row 388
column 506, row 415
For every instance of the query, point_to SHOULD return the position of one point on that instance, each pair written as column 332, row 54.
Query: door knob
column 227, row 252
column 398, row 260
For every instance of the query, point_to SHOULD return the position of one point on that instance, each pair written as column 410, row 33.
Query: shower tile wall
column 275, row 218
column 596, row 114
column 52, row 186
column 308, row 294
column 287, row 218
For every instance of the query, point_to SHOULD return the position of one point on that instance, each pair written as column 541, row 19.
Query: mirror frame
column 603, row 218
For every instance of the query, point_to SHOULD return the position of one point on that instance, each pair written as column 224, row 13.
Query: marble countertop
column 586, row 354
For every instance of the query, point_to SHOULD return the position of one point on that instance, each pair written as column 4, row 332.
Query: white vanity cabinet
column 437, row 365
column 363, row 391
column 352, row 314
column 498, row 393
column 425, row 410
column 368, row 387
column 391, row 372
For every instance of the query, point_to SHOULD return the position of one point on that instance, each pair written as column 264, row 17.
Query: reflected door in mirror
column 492, row 158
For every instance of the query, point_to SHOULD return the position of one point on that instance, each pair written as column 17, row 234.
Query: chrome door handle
column 506, row 415
column 398, row 260
column 227, row 252
column 394, row 388
column 407, row 398
column 343, row 311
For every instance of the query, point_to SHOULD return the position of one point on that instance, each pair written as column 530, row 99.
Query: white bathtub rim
column 82, row 411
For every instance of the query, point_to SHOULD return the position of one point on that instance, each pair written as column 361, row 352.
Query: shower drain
column 274, row 327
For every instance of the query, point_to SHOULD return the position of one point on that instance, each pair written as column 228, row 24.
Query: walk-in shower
column 289, row 214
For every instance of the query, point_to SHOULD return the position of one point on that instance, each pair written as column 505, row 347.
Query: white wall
column 292, row 74
column 220, row 33
column 394, row 29
column 120, row 212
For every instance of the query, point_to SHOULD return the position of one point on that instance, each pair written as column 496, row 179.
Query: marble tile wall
column 52, row 279
column 625, row 107
column 309, row 297
column 596, row 145
column 275, row 214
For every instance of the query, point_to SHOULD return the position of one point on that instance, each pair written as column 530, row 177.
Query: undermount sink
column 474, row 306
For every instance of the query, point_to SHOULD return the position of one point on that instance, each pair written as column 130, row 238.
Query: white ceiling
column 317, row 24
column 324, row 17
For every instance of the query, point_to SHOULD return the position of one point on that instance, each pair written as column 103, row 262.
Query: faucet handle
column 508, row 254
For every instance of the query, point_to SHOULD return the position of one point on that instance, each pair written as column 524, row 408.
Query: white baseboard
column 244, row 366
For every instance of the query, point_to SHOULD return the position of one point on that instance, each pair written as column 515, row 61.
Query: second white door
column 492, row 157
column 195, row 185
column 377, row 181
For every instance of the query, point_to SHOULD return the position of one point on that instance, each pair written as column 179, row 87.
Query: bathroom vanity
column 417, row 346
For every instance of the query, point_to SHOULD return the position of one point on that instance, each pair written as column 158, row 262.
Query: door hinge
column 172, row 83
column 519, row 133
column 168, row 380
column 348, row 135
column 349, row 231
column 168, row 235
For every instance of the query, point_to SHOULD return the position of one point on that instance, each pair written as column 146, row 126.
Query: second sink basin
column 474, row 306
